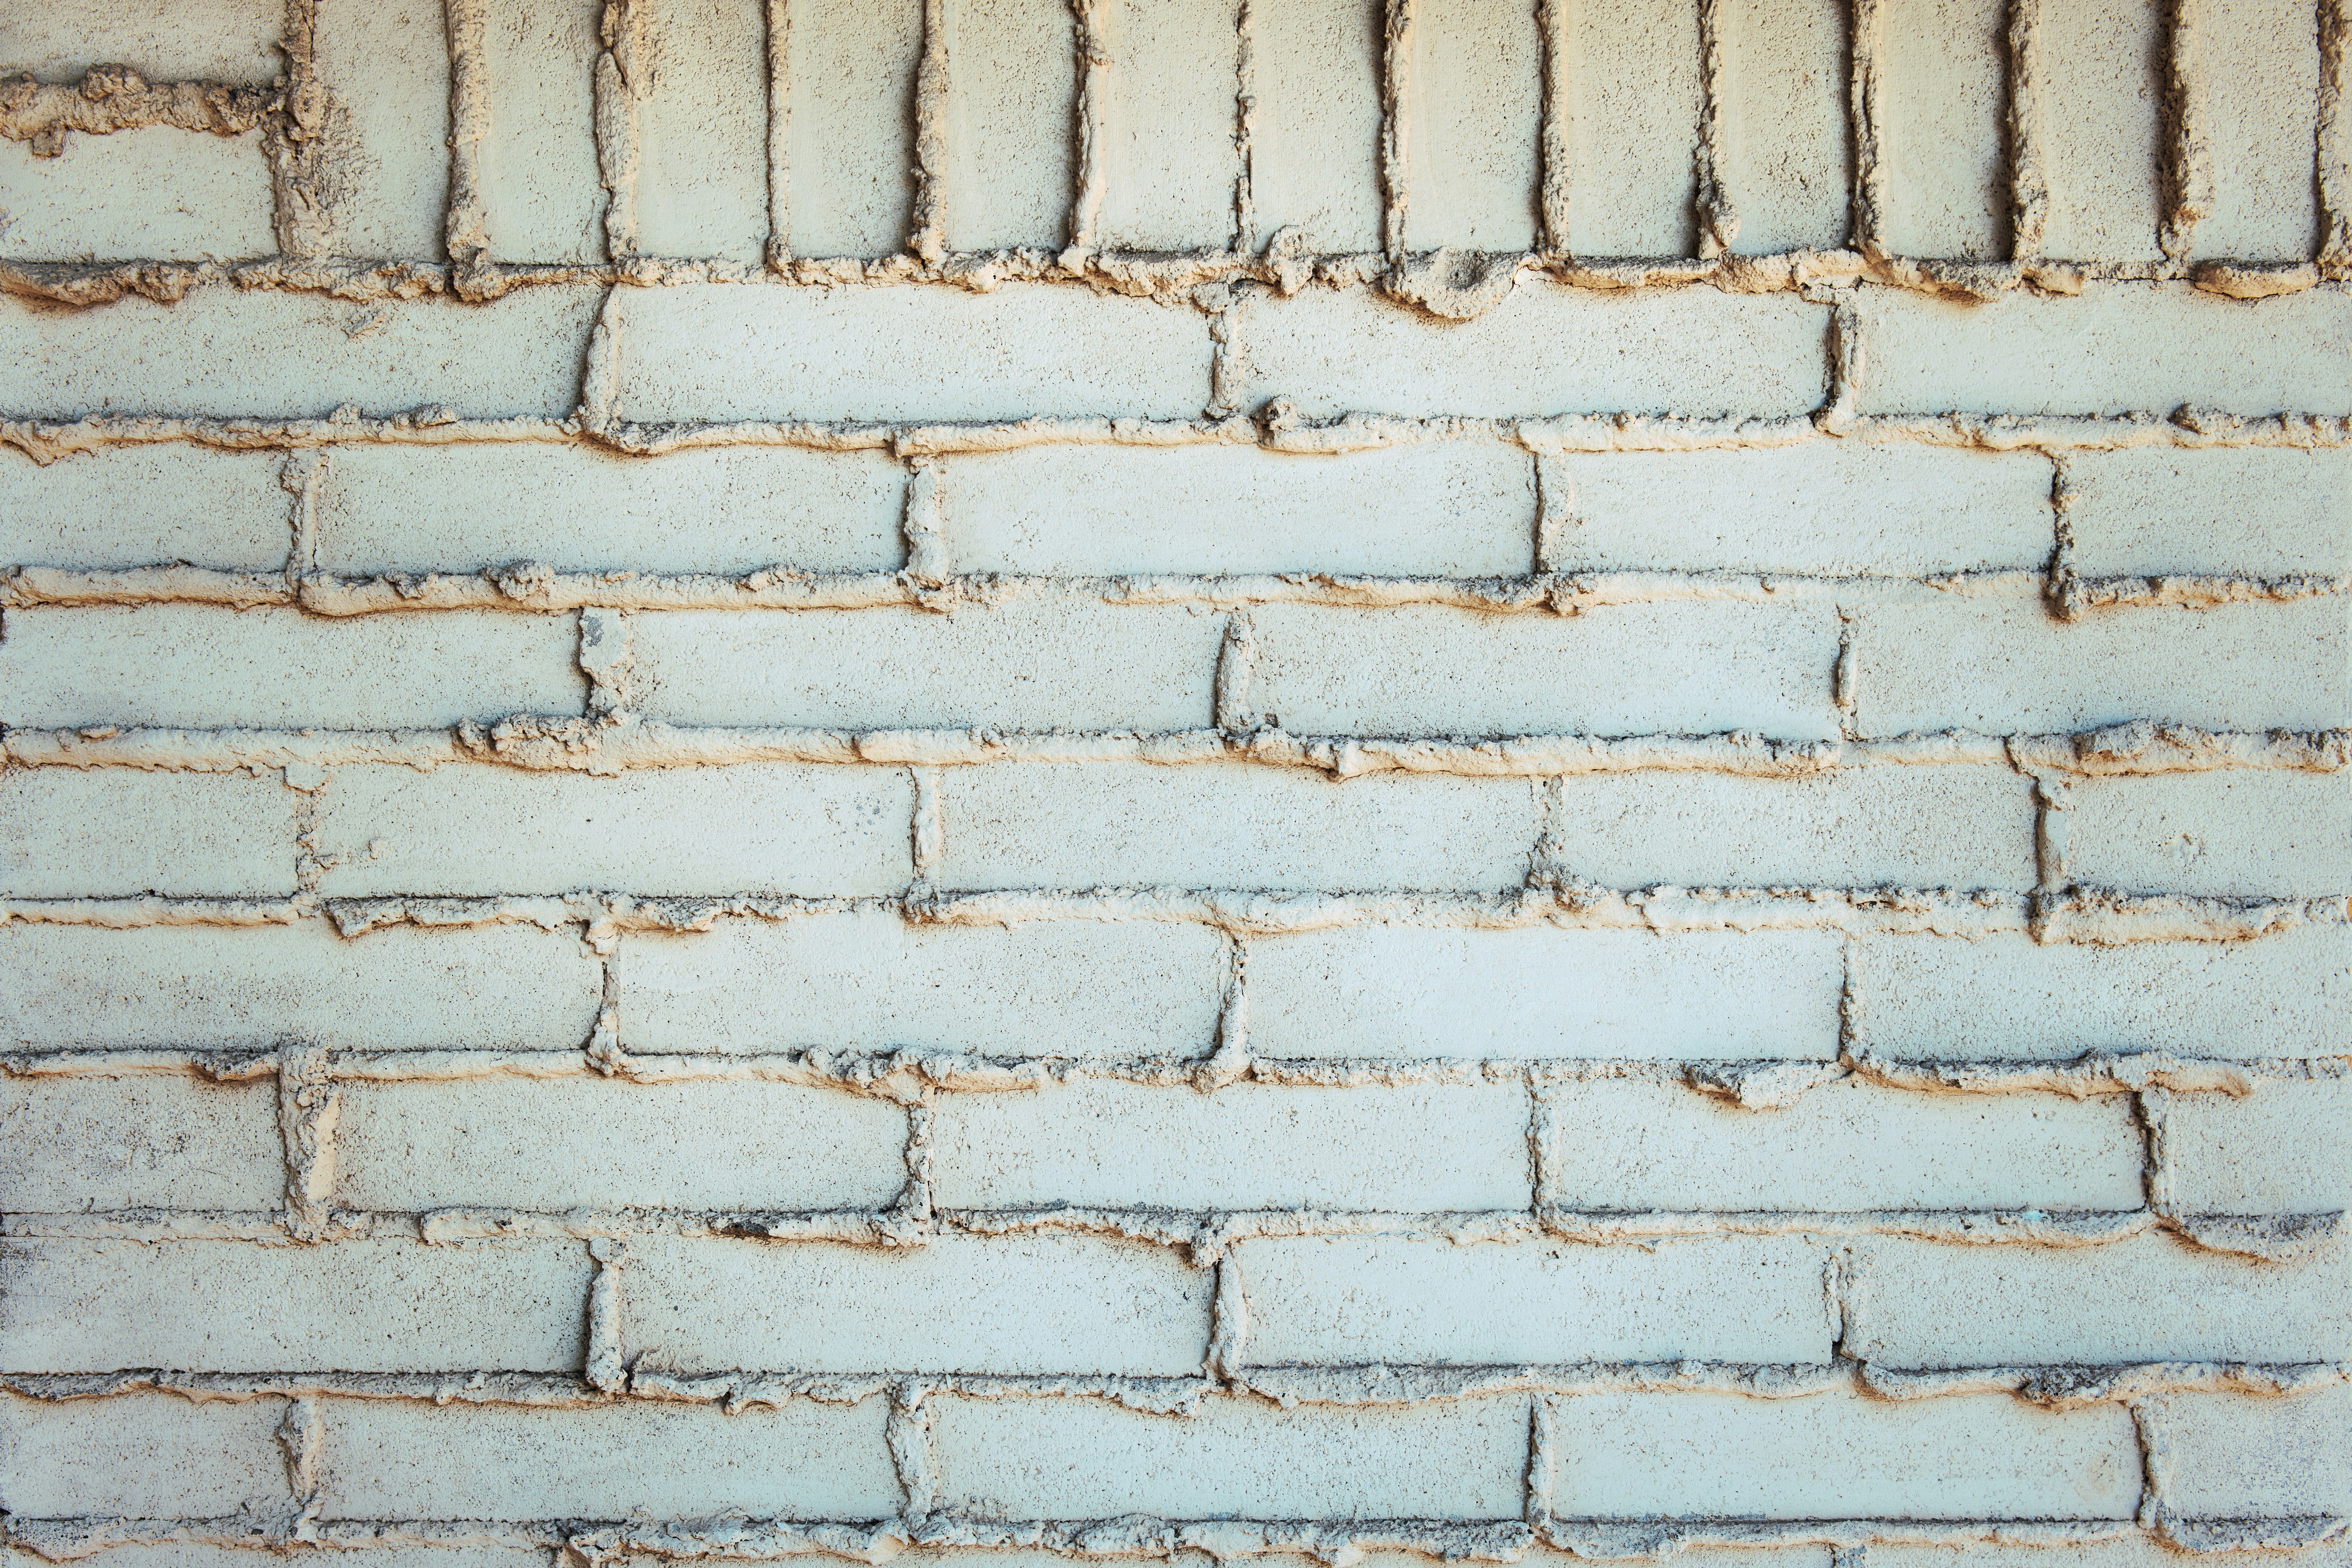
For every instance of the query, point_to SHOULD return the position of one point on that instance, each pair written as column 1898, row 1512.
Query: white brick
column 2260, row 62
column 1402, row 991
column 2118, row 348
column 2285, row 833
column 1106, row 1145
column 716, row 351
column 1013, row 101
column 1087, row 1458
column 1315, row 144
column 163, row 40
column 1840, row 1456
column 136, row 506
column 541, row 195
column 141, row 1455
column 509, row 987
column 1091, row 825
column 1451, row 509
column 1787, row 141
column 471, row 830
column 228, row 351
column 1169, row 154
column 404, row 1459
column 106, row 833
column 1632, row 111
column 598, row 1144
column 1473, row 99
column 154, row 192
column 2006, row 996
column 2249, row 510
column 386, row 71
column 1678, row 351
column 200, row 665
column 1619, row 1143
column 2006, row 668
column 702, row 134
column 1029, row 663
column 2286, row 1148
column 1903, row 826
column 1835, row 508
column 1679, row 669
column 2236, row 1457
column 720, row 509
column 2100, row 59
column 868, row 980
column 852, row 153
column 68, row 1145
column 1357, row 1300
column 1941, row 96
column 1921, row 1303
column 349, row 1306
column 1039, row 1304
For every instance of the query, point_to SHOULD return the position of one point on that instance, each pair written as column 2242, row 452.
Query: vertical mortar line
column 302, row 1440
column 2332, row 147
column 1846, row 675
column 294, row 140
column 1546, row 858
column 1093, row 130
column 2050, row 802
column 1848, row 362
column 303, row 477
column 928, row 230
column 915, row 1197
column 1542, row 1128
column 1719, row 218
column 1556, row 516
column 1540, row 1463
column 1849, row 1004
column 2188, row 174
column 1228, row 1348
column 2154, row 1434
column 604, row 1051
column 309, row 1107
column 2061, row 588
column 608, row 1367
column 907, row 1428
column 1556, row 20
column 777, row 249
column 2028, row 179
column 607, row 656
column 925, row 837
column 1863, row 89
column 465, row 223
column 2152, row 1108
column 1235, row 673
column 622, row 77
column 600, row 367
column 922, row 524
column 1396, row 80
column 1244, row 240
column 1229, row 1056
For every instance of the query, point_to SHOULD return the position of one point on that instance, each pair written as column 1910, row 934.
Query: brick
column 109, row 833
column 511, row 988
column 1436, row 508
column 2237, row 1457
column 1106, row 1145
column 1784, row 87
column 226, row 352
column 2006, row 668
column 1314, row 145
column 702, row 133
column 150, row 1456
column 1404, row 991
column 1621, row 1143
column 1833, row 508
column 1667, row 351
column 2008, row 997
column 350, row 1306
column 597, row 1143
column 198, row 40
column 541, row 195
column 1840, row 1456
column 1632, row 670
column 136, row 506
column 200, row 665
column 2285, row 833
column 852, row 153
column 2118, row 348
column 1024, row 664
column 1084, row 1459
column 464, row 831
column 405, row 1459
column 1170, row 154
column 718, row 508
column 1091, row 825
column 386, row 70
column 2256, row 511
column 868, row 980
column 2148, row 1299
column 1355, row 1302
column 1904, row 826
column 2103, row 61
column 68, row 1145
column 1474, row 102
column 2259, row 63
column 1633, row 114
column 153, row 191
column 2286, row 1148
column 1039, row 1304
column 1014, row 98
column 723, row 353
column 1947, row 178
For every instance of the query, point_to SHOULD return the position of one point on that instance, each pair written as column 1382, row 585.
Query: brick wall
column 1175, row 778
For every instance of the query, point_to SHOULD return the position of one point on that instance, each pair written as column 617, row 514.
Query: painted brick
column 539, row 190
column 1946, row 174
column 2238, row 1457
column 1473, row 99
column 1108, row 1144
column 1632, row 127
column 2255, row 510
column 703, row 133
column 1014, row 97
column 2286, row 1148
column 2259, row 60
column 115, row 833
column 2104, row 60
column 137, row 506
column 1788, row 145
column 202, row 40
column 141, row 1455
column 153, row 191
column 2278, row 833
column 386, row 71
column 68, row 1145
column 1169, row 157
column 852, row 150
column 1313, row 149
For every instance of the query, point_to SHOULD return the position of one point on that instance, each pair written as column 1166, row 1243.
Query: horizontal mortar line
column 618, row 742
column 115, row 98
